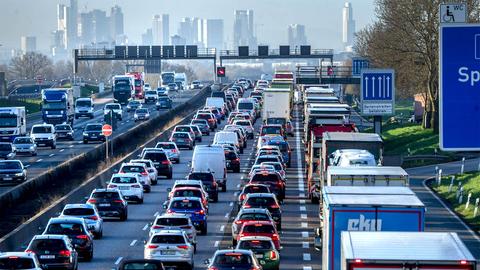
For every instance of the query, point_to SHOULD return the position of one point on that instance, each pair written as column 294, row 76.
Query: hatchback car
column 19, row 260
column 212, row 121
column 182, row 139
column 186, row 128
column 190, row 192
column 54, row 251
column 89, row 213
column 251, row 188
column 92, row 133
column 175, row 222
column 202, row 124
column 109, row 203
column 267, row 201
column 170, row 246
column 164, row 102
column 247, row 125
column 152, row 172
column 249, row 214
column 264, row 250
column 260, row 228
column 238, row 259
column 232, row 161
column 141, row 114
column 7, row 150
column 160, row 161
column 133, row 105
column 129, row 185
column 272, row 130
column 209, row 183
column 171, row 149
column 190, row 206
column 198, row 132
column 273, row 180
column 25, row 145
column 77, row 230
column 142, row 174
column 65, row 131
column 12, row 171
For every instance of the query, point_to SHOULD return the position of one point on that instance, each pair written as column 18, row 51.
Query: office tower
column 147, row 37
column 243, row 29
column 212, row 33
column 348, row 30
column 296, row 35
column 166, row 29
column 160, row 29
column 28, row 44
column 178, row 40
column 116, row 22
column 71, row 24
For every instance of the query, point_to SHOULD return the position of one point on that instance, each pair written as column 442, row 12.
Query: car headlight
column 32, row 147
column 135, row 115
column 19, row 174
column 85, row 134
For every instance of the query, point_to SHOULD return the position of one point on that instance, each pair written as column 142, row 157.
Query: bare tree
column 30, row 65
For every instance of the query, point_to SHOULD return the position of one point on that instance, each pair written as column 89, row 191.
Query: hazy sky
column 323, row 18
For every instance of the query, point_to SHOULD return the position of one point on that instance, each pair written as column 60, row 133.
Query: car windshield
column 38, row 130
column 124, row 180
column 256, row 189
column 93, row 127
column 259, row 228
column 122, row 84
column 10, row 165
column 172, row 221
column 187, row 193
column 242, row 123
column 155, row 156
column 5, row 147
column 168, row 239
column 277, row 166
column 245, row 106
column 142, row 111
column 271, row 130
column 232, row 260
column 186, row 204
column 63, row 127
column 84, row 103
column 255, row 244
column 254, row 216
column 23, row 141
column 230, row 155
column 65, row 228
column 151, row 92
column 132, row 169
column 113, row 107
column 47, row 244
column 106, row 195
column 15, row 262
column 265, row 177
column 165, row 145
column 182, row 129
column 79, row 212
column 261, row 201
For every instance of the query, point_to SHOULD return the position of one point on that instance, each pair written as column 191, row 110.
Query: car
column 152, row 171
column 211, row 158
column 170, row 246
column 268, row 158
column 212, row 121
column 19, row 260
column 208, row 181
column 272, row 130
column 89, row 213
column 172, row 87
column 238, row 259
column 228, row 137
column 241, row 134
column 183, row 139
column 273, row 180
column 261, row 167
column 139, row 264
column 264, row 140
column 84, row 107
column 286, row 124
column 65, row 131
column 277, row 167
column 114, row 108
column 196, row 85
column 271, row 152
column 109, row 202
column 251, row 188
column 93, row 133
column 171, row 149
column 44, row 135
column 25, row 145
column 249, row 214
column 141, row 114
column 198, row 133
column 162, row 91
column 54, row 251
column 247, row 125
column 260, row 228
column 187, row 128
column 265, row 200
column 129, row 186
column 133, row 105
column 285, row 149
column 264, row 250
column 142, row 174
column 151, row 96
column 202, row 124
column 232, row 160
column 147, row 87
column 160, row 161
column 77, row 230
column 175, row 222
column 187, row 183
column 190, row 192
column 192, row 206
column 230, row 147
column 12, row 171
column 164, row 102
column 7, row 150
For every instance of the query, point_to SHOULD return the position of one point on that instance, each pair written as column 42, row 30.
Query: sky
column 322, row 18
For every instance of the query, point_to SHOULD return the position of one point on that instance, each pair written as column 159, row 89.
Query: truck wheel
column 76, row 117
column 85, row 141
column 169, row 176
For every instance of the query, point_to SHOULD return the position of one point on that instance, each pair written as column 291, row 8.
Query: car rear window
column 48, row 244
column 282, row 146
column 41, row 130
column 63, row 127
column 105, row 195
column 65, row 228
column 230, row 155
column 266, row 159
column 172, row 221
column 13, row 262
column 256, row 189
column 261, row 201
column 79, row 212
column 276, row 165
column 187, row 193
column 93, row 127
column 232, row 260
column 255, row 244
column 270, row 177
column 276, row 121
column 5, row 147
column 180, row 135
column 165, row 145
column 259, row 228
column 254, row 216
column 204, row 116
column 182, row 129
column 205, row 177
column 186, row 204
column 168, row 239
column 132, row 169
column 155, row 156
column 199, row 122
column 271, row 130
column 124, row 180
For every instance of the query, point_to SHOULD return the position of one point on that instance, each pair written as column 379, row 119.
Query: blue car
column 284, row 148
column 164, row 102
column 193, row 207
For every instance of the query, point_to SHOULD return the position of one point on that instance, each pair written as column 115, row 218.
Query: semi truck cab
column 58, row 106
column 13, row 123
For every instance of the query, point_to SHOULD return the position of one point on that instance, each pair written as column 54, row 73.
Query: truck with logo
column 367, row 176
column 58, row 106
column 13, row 123
column 139, row 79
column 405, row 251
column 364, row 209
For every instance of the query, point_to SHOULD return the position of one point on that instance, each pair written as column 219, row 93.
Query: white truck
column 13, row 123
column 366, row 176
column 276, row 103
column 84, row 107
column 216, row 102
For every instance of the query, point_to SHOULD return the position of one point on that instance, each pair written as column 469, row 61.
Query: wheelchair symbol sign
column 453, row 13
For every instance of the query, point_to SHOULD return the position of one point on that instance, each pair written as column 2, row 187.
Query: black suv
column 109, row 203
column 54, row 251
column 232, row 161
column 160, row 161
column 208, row 181
column 93, row 132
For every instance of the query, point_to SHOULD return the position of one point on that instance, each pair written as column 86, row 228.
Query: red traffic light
column 220, row 71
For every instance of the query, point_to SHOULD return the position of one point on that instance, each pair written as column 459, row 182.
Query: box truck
column 13, row 123
column 364, row 209
column 276, row 103
column 366, row 176
column 405, row 251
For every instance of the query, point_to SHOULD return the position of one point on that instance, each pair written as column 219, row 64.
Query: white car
column 247, row 125
column 19, row 260
column 170, row 246
column 187, row 183
column 175, row 222
column 141, row 170
column 89, row 213
column 152, row 171
column 151, row 96
column 116, row 108
column 171, row 150
column 129, row 186
column 44, row 135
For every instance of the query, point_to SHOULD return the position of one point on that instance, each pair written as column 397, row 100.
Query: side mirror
column 169, row 189
column 206, row 262
column 115, row 170
column 317, row 243
column 144, row 241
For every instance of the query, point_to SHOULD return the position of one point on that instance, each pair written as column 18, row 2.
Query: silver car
column 152, row 172
column 89, row 213
column 25, row 145
column 170, row 246
column 171, row 150
column 175, row 222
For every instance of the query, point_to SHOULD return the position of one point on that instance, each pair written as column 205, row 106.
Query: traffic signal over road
column 220, row 71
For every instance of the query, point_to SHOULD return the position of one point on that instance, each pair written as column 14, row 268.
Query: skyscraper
column 28, row 44
column 71, row 24
column 243, row 29
column 160, row 29
column 116, row 22
column 296, row 35
column 212, row 33
column 348, row 30
column 166, row 29
column 147, row 37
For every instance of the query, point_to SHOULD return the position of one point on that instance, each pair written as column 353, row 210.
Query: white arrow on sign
column 388, row 86
column 380, row 86
column 366, row 86
column 384, row 86
column 373, row 86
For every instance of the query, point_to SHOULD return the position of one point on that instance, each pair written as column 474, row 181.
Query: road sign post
column 107, row 132
column 459, row 83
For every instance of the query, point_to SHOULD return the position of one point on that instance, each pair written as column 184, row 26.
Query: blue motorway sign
column 459, row 87
column 377, row 91
column 358, row 64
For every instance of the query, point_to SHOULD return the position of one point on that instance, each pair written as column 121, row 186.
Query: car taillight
column 92, row 201
column 242, row 197
column 84, row 237
column 30, row 251
column 238, row 222
column 273, row 255
column 174, row 150
column 275, row 236
column 212, row 268
column 93, row 217
column 64, row 253
column 182, row 247
column 144, row 173
column 237, row 160
column 185, row 227
column 214, row 184
column 157, row 227
column 246, row 206
column 201, row 212
column 117, row 201
column 211, row 120
column 136, row 186
column 165, row 162
column 152, row 246
column 274, row 206
column 170, row 211
column 111, row 186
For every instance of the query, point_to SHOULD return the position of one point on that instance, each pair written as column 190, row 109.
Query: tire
column 170, row 175
column 88, row 257
column 234, row 242
column 190, row 147
column 148, row 190
column 237, row 170
column 54, row 146
column 215, row 199
column 76, row 117
column 203, row 230
column 98, row 235
column 91, row 116
column 154, row 182
column 140, row 201
column 241, row 150
column 124, row 217
column 85, row 141
column 200, row 140
column 34, row 154
column 224, row 188
column 178, row 161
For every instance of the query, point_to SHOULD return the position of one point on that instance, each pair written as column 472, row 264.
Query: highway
column 49, row 158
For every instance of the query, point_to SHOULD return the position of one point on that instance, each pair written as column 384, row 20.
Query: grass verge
column 31, row 105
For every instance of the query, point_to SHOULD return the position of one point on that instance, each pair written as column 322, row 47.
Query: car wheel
column 237, row 170
column 154, row 182
column 54, row 146
column 85, row 141
column 194, row 248
column 200, row 140
column 208, row 133
column 215, row 199
column 140, row 201
column 190, row 147
column 89, row 256
column 224, row 188
column 170, row 175
column 234, row 242
column 124, row 217
column 178, row 161
column 279, row 226
column 148, row 190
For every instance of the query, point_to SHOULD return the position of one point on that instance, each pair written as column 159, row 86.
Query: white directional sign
column 378, row 91
column 453, row 13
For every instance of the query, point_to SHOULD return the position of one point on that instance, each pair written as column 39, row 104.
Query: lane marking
column 238, row 186
column 51, row 155
column 145, row 227
column 226, row 215
column 302, row 201
column 307, row 268
column 304, row 225
column 118, row 260
column 307, row 257
column 216, row 243
column 71, row 146
column 156, row 214
column 305, row 245
column 303, row 216
column 133, row 243
column 235, row 194
column 61, row 150
column 305, row 234
column 303, row 208
column 231, row 203
column 26, row 166
column 301, row 195
column 40, row 160
column 222, row 228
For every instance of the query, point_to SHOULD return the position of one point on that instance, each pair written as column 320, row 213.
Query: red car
column 260, row 228
column 273, row 180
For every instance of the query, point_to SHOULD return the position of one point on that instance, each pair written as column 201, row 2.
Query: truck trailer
column 404, row 251
column 13, row 123
column 276, row 103
column 367, row 176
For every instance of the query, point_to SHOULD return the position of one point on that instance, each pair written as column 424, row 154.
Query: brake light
column 13, row 257
column 64, row 253
column 242, row 197
column 174, row 150
column 136, row 186
column 30, row 251
column 246, row 206
column 201, row 212
column 117, row 201
column 157, row 227
column 274, row 206
column 92, row 201
column 170, row 211
column 182, row 247
column 275, row 237
column 152, row 246
column 144, row 173
column 273, row 255
column 93, row 218
column 84, row 237
column 214, row 184
column 212, row 268
column 461, row 262
column 185, row 227
column 237, row 160
column 358, row 261
column 211, row 120
column 238, row 222
column 112, row 186
column 165, row 162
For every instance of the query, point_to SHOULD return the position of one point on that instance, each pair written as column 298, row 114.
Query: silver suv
column 170, row 246
column 175, row 222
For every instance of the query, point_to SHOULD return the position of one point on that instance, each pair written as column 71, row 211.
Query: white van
column 246, row 105
column 211, row 158
column 226, row 137
column 216, row 102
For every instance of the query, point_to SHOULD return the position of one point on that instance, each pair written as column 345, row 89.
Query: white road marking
column 222, row 228
column 71, row 146
column 51, row 155
column 239, row 184
column 304, row 225
column 145, row 227
column 235, row 194
column 61, row 150
column 156, row 214
column 40, row 160
column 303, row 208
column 302, row 201
column 301, row 195
column 133, row 243
column 305, row 234
column 118, row 260
column 307, row 268
column 226, row 215
column 305, row 245
column 307, row 257
column 303, row 216
column 231, row 203
column 216, row 243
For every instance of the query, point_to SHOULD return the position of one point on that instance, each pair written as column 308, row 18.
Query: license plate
column 93, row 136
column 259, row 256
column 47, row 256
column 7, row 178
column 181, row 140
column 168, row 252
column 123, row 188
column 104, row 205
column 5, row 138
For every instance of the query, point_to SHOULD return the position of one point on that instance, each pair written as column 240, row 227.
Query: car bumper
column 84, row 114
column 97, row 138
column 11, row 179
column 110, row 212
column 44, row 142
column 164, row 258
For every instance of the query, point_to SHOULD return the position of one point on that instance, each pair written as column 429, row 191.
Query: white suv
column 44, row 135
column 170, row 246
column 175, row 222
column 129, row 186
column 115, row 107
column 142, row 171
column 151, row 96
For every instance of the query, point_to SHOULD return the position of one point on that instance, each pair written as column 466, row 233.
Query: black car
column 54, row 251
column 7, row 150
column 160, row 161
column 164, row 102
column 208, row 181
column 109, row 203
column 219, row 94
column 64, row 131
column 93, row 132
column 12, row 171
column 238, row 259
column 232, row 160
column 141, row 265
column 265, row 201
